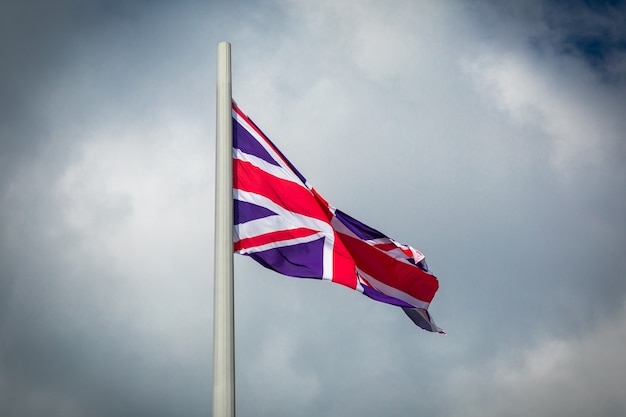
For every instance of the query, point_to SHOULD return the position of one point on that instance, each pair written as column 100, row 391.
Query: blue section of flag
column 245, row 212
column 295, row 260
column 243, row 140
column 359, row 229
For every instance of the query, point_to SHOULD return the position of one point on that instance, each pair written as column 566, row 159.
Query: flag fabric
column 285, row 225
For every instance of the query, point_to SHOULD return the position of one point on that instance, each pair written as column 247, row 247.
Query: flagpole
column 223, row 311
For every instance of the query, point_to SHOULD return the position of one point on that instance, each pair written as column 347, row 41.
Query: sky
column 487, row 134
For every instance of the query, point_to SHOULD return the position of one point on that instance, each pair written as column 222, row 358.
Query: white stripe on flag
column 261, row 140
column 284, row 220
column 279, row 172
column 393, row 292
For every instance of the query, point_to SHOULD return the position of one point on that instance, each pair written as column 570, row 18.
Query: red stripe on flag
column 271, row 237
column 344, row 269
column 407, row 278
column 287, row 194
column 385, row 246
column 388, row 247
column 323, row 203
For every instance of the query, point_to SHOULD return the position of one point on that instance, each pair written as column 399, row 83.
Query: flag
column 282, row 222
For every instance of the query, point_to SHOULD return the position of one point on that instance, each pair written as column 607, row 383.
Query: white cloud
column 556, row 95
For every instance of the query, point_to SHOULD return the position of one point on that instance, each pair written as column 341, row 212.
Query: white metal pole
column 224, row 311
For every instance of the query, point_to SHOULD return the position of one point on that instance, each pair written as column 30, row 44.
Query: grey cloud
column 557, row 376
column 589, row 31
column 105, row 228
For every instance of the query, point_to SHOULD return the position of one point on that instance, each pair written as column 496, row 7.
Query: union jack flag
column 285, row 225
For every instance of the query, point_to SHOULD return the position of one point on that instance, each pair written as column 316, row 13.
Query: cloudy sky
column 487, row 134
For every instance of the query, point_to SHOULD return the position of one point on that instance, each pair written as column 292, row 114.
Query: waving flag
column 285, row 225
